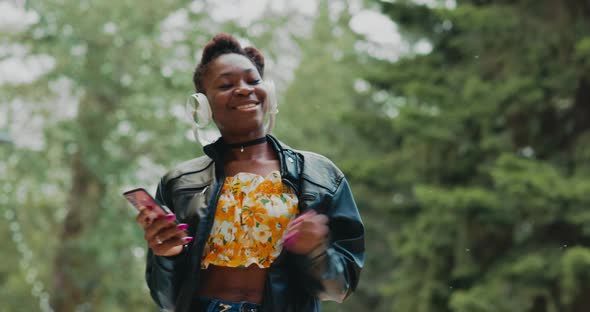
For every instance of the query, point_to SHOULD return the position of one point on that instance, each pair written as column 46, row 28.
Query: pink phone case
column 141, row 199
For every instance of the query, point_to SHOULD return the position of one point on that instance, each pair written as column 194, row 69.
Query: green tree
column 482, row 166
column 123, row 70
column 313, row 116
column 118, row 67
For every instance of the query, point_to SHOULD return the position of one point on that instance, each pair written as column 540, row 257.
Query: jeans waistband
column 218, row 305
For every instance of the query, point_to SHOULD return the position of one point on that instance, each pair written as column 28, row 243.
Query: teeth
column 247, row 106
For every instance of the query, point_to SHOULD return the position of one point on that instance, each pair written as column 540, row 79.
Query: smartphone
column 141, row 199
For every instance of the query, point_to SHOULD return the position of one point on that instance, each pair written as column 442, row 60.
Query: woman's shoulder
column 317, row 159
column 196, row 166
column 310, row 158
column 314, row 168
column 320, row 170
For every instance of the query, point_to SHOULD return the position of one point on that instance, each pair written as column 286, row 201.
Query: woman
column 257, row 226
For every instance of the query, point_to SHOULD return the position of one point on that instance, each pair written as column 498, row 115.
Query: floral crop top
column 251, row 218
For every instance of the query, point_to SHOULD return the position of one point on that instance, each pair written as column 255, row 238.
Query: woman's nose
column 244, row 90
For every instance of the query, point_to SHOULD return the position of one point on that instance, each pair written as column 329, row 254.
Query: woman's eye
column 255, row 81
column 225, row 86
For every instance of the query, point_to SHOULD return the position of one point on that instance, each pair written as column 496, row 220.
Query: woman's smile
column 247, row 107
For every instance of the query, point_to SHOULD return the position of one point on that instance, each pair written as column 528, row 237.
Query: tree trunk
column 73, row 280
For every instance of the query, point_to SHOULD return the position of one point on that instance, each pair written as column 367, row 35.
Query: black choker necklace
column 241, row 145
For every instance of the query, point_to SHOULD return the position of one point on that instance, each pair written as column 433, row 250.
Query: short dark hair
column 224, row 44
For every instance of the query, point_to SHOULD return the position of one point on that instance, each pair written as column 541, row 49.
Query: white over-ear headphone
column 272, row 108
column 201, row 117
column 201, row 110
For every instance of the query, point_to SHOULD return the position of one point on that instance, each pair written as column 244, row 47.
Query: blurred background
column 463, row 127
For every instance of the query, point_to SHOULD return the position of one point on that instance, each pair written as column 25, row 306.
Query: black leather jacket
column 294, row 282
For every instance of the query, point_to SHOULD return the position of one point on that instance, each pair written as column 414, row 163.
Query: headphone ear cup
column 201, row 117
column 202, row 110
column 271, row 97
column 271, row 100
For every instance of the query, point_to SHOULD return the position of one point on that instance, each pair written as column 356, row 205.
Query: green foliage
column 129, row 72
column 574, row 273
column 470, row 164
column 313, row 116
column 484, row 157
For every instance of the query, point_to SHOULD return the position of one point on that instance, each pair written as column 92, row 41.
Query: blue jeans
column 217, row 305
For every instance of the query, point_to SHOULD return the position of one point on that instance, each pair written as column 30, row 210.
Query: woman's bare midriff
column 233, row 284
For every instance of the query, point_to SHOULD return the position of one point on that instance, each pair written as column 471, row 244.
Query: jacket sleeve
column 162, row 273
column 332, row 272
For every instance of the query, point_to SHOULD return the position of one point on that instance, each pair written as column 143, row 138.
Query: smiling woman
column 236, row 93
column 257, row 226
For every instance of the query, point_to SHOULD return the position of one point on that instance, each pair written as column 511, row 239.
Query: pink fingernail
column 187, row 239
column 303, row 216
column 170, row 217
column 296, row 220
column 182, row 226
column 290, row 235
column 288, row 241
column 310, row 213
column 289, row 238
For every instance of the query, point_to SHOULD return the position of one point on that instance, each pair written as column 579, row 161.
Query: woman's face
column 236, row 94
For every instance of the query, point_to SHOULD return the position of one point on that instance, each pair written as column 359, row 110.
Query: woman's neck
column 254, row 152
column 252, row 149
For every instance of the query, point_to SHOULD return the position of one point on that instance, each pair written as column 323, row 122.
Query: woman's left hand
column 306, row 233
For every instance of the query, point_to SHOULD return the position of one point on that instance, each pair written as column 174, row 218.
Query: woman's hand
column 307, row 233
column 163, row 235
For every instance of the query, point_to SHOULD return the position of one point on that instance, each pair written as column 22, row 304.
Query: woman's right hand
column 163, row 235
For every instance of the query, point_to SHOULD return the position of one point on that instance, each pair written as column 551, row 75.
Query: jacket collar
column 290, row 161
